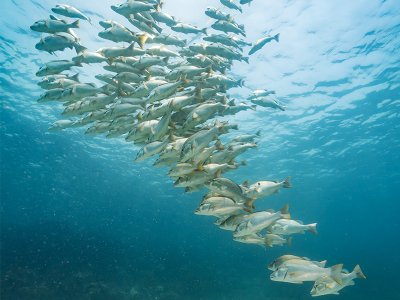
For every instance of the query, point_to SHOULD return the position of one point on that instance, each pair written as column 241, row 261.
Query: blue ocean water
column 80, row 220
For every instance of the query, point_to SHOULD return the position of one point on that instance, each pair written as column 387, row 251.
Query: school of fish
column 166, row 84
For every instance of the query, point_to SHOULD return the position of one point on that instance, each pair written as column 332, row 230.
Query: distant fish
column 56, row 67
column 217, row 14
column 70, row 12
column 59, row 42
column 266, row 188
column 288, row 227
column 54, row 25
column 300, row 270
column 245, row 1
column 262, row 42
column 231, row 4
column 187, row 28
column 325, row 285
column 268, row 102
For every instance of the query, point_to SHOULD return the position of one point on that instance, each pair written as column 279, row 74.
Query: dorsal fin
column 75, row 77
column 54, row 18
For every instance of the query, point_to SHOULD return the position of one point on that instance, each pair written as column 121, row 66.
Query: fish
column 88, row 104
column 61, row 124
column 268, row 102
column 56, row 67
column 227, row 27
column 54, row 25
column 325, row 285
column 113, row 52
column 162, row 51
column 245, row 1
column 298, row 270
column 119, row 33
column 266, row 188
column 89, row 57
column 58, row 81
column 70, row 12
column 150, row 149
column 231, row 4
column 260, row 93
column 273, row 266
column 276, row 240
column 259, row 44
column 162, row 17
column 59, row 42
column 259, row 221
column 288, row 227
column 232, row 222
column 217, row 14
column 247, row 138
column 223, row 39
column 226, row 208
column 187, row 28
column 132, row 7
column 228, row 188
column 168, row 39
column 196, row 143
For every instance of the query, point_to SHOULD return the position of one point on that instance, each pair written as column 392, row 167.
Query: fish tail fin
column 313, row 228
column 249, row 205
column 286, row 183
column 142, row 40
column 268, row 241
column 204, row 30
column 289, row 241
column 219, row 145
column 336, row 273
column 106, row 89
column 75, row 24
column 240, row 82
column 285, row 212
column 276, row 37
column 358, row 272
column 79, row 48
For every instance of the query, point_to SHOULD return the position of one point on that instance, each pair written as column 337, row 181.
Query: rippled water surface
column 79, row 220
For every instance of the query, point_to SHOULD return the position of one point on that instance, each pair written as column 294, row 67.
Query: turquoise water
column 80, row 220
